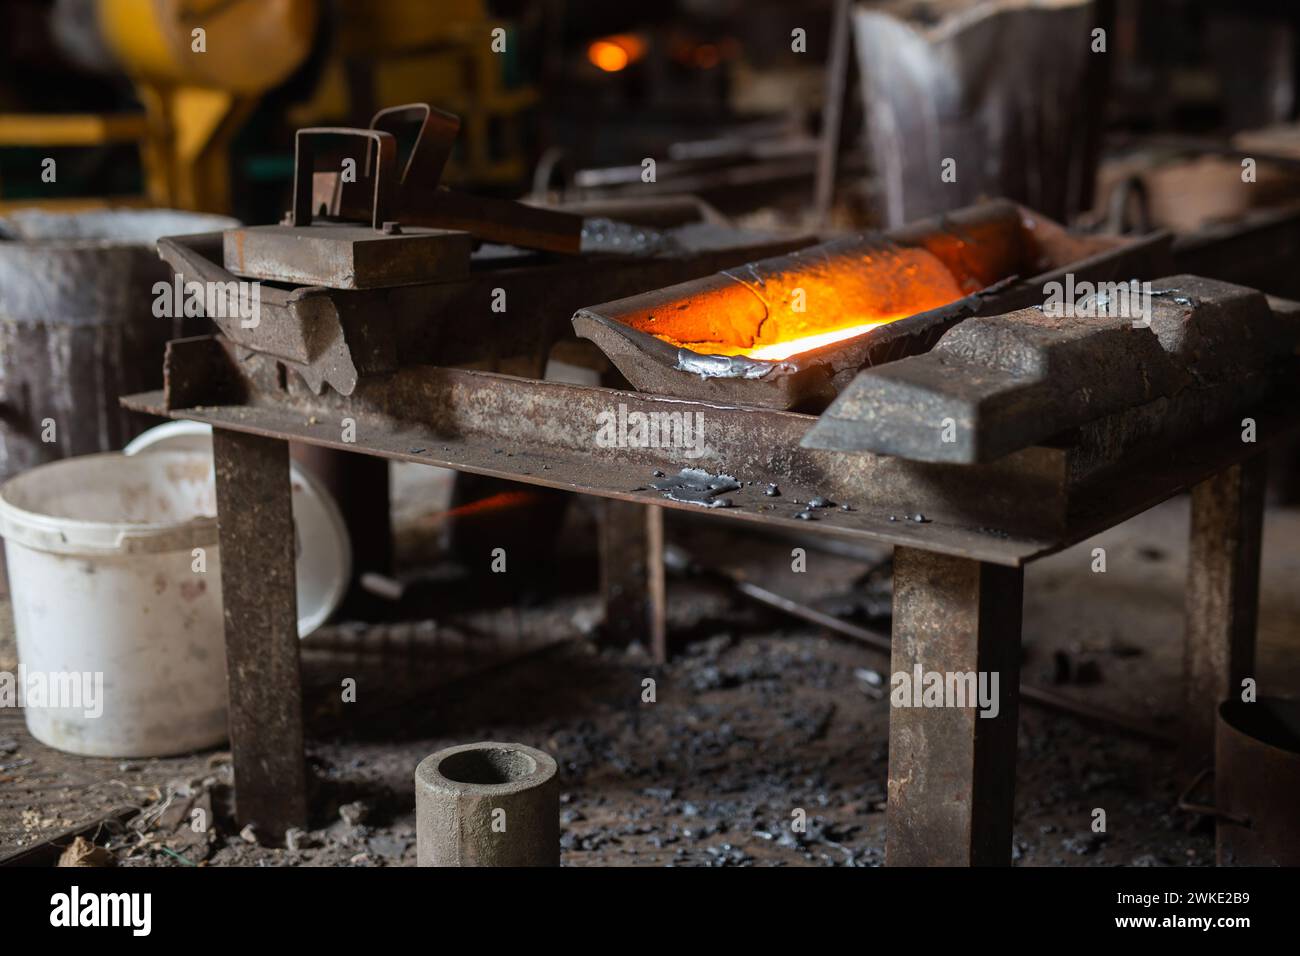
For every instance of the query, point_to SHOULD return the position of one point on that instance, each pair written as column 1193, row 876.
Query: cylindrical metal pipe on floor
column 1257, row 782
column 487, row 804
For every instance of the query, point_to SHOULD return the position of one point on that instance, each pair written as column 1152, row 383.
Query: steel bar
column 414, row 197
column 951, row 769
column 346, row 257
column 1222, row 598
column 436, row 134
column 255, row 522
column 631, row 575
column 657, row 583
column 837, row 71
column 381, row 174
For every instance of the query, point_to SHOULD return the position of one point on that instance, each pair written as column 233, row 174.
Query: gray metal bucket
column 77, row 327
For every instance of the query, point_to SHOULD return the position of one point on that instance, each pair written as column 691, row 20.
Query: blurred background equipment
column 969, row 99
column 77, row 329
column 198, row 68
column 402, row 51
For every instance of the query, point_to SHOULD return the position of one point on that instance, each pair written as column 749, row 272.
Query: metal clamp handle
column 304, row 165
column 437, row 133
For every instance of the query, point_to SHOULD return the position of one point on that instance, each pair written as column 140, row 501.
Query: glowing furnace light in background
column 614, row 53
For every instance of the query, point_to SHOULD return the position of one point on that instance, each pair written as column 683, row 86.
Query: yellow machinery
column 198, row 88
column 200, row 67
column 405, row 51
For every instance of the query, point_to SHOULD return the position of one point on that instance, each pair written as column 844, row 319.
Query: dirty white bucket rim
column 57, row 534
column 324, row 566
column 107, row 598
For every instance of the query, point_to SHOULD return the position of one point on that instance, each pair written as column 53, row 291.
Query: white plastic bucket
column 321, row 544
column 102, row 574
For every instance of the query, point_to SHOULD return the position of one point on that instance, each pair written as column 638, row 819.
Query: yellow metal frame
column 194, row 101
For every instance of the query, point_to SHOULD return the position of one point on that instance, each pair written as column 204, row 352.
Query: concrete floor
column 755, row 718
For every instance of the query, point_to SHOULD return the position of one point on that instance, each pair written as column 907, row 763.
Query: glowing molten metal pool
column 831, row 299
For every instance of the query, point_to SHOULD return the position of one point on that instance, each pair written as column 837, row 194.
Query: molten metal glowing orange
column 501, row 501
column 774, row 315
column 783, row 350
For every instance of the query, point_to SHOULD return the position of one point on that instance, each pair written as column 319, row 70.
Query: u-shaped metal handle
column 433, row 141
column 304, row 165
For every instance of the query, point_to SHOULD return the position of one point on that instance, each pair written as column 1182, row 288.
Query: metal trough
column 710, row 338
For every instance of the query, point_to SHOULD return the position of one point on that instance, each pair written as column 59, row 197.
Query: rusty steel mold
column 1005, row 382
column 791, row 331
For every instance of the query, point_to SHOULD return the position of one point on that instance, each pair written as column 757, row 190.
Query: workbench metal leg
column 1222, row 599
column 255, row 519
column 952, row 772
column 632, row 583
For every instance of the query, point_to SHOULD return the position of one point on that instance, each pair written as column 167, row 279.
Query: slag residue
column 696, row 486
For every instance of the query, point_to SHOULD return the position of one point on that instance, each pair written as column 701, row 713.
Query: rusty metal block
column 340, row 256
column 997, row 384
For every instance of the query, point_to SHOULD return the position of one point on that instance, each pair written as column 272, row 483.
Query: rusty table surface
column 1009, row 512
